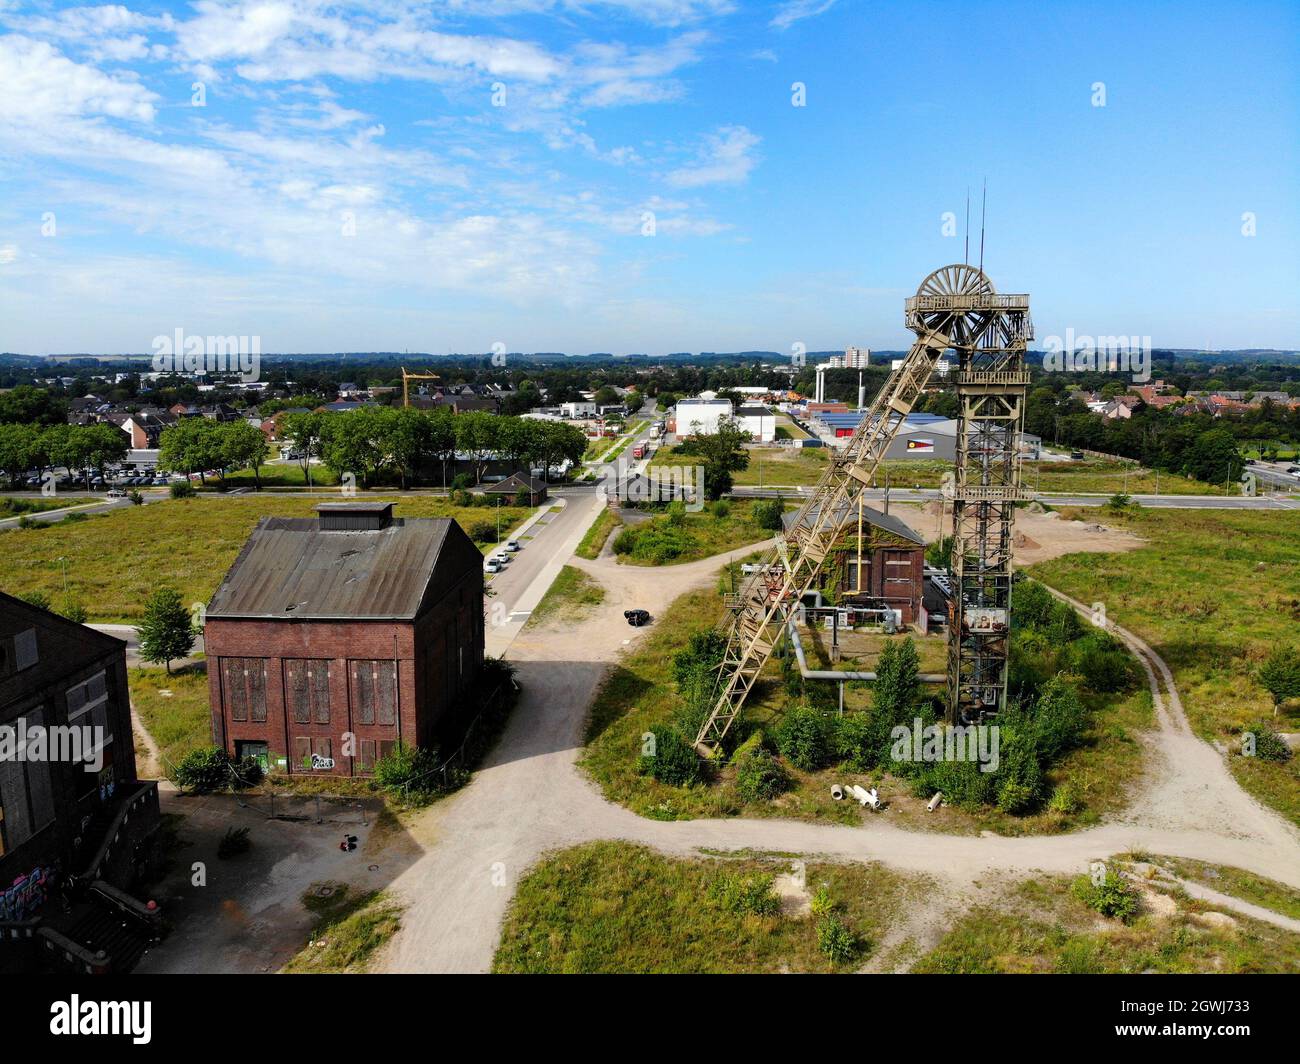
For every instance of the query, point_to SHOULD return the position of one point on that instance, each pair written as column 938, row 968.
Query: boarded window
column 243, row 681
column 374, row 691
column 307, row 689
column 386, row 748
column 366, row 760
column 301, row 752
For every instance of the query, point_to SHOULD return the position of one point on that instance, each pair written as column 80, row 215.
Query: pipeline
column 839, row 674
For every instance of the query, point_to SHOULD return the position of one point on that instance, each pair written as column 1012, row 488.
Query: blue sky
column 446, row 176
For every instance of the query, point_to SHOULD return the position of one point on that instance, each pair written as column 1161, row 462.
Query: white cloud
column 726, row 159
column 41, row 84
column 793, row 11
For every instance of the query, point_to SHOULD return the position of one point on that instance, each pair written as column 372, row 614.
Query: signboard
column 920, row 446
column 984, row 620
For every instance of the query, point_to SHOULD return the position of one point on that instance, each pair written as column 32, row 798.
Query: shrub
column 721, row 509
column 408, row 769
column 39, row 599
column 659, row 542
column 234, row 842
column 1015, row 797
column 180, row 489
column 1066, row 799
column 837, row 940
column 767, row 514
column 203, row 770
column 751, row 894
column 460, row 482
column 482, row 531
column 136, row 498
column 625, row 541
column 1104, row 664
column 1269, row 746
column 674, row 760
column 523, row 497
column 1056, row 721
column 822, row 903
column 759, row 777
column 853, row 742
column 804, row 737
column 73, row 611
column 1112, row 897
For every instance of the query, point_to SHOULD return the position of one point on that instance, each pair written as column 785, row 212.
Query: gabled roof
column 516, row 482
column 290, row 568
column 878, row 518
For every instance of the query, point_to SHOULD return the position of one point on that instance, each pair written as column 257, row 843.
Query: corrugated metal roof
column 291, row 568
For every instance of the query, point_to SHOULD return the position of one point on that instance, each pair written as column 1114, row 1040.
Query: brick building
column 74, row 818
column 332, row 638
column 877, row 564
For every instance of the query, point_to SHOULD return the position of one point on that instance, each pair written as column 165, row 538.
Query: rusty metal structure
column 955, row 309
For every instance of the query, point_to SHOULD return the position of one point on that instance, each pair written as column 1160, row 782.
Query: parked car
column 117, row 493
column 636, row 618
column 501, row 558
column 1076, row 455
column 513, row 545
column 492, row 566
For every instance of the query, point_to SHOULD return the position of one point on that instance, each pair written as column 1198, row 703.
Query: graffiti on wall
column 25, row 896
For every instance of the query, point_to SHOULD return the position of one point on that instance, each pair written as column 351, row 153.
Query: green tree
column 165, row 634
column 192, row 445
column 723, row 454
column 243, row 447
column 304, row 429
column 19, row 449
column 1279, row 675
column 1214, row 458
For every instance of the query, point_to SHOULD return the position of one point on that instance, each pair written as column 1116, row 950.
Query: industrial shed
column 333, row 638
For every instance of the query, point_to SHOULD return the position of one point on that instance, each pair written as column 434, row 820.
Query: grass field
column 173, row 710
column 281, row 476
column 115, row 559
column 1042, row 927
column 639, row 693
column 570, row 595
column 616, row 907
column 719, row 527
column 594, row 538
column 1213, row 592
column 803, row 467
column 1235, row 881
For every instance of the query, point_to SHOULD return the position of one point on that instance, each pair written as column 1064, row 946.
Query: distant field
column 1213, row 592
column 115, row 559
column 281, row 476
column 17, row 507
column 803, row 467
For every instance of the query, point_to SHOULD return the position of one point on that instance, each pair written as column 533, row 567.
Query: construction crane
column 957, row 309
column 406, row 377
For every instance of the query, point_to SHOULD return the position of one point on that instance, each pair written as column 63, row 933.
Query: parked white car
column 492, row 566
column 513, row 545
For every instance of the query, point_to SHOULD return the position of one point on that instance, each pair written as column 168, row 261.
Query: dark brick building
column 333, row 638
column 76, row 823
column 879, row 563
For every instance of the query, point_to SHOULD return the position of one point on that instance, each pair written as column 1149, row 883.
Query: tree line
column 83, row 448
column 376, row 443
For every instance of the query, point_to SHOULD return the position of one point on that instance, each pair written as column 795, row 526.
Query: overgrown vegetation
column 594, row 539
column 571, row 594
column 1061, row 755
column 678, row 535
column 1216, row 593
column 349, row 930
column 617, row 907
column 1043, row 926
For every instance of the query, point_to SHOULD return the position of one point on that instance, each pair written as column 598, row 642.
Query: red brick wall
column 438, row 658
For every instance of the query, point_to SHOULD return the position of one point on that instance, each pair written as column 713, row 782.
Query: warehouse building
column 333, row 638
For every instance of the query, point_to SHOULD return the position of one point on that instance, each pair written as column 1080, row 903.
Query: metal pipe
column 839, row 674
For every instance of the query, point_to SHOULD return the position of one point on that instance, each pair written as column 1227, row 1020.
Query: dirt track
column 531, row 797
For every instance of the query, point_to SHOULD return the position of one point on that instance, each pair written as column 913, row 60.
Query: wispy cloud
column 793, row 11
column 726, row 158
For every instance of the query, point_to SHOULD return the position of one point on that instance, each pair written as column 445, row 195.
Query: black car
column 636, row 618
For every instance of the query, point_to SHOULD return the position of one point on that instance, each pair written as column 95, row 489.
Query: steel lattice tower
column 989, row 334
column 955, row 309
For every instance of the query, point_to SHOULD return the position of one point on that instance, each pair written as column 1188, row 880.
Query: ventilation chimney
column 355, row 516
